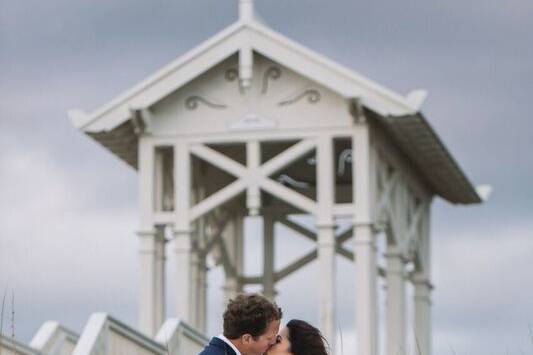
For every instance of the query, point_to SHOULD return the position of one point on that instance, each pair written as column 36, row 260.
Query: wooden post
column 396, row 323
column 182, row 233
column 365, row 245
column 422, row 314
column 326, row 238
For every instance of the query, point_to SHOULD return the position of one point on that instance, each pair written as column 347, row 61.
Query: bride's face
column 282, row 346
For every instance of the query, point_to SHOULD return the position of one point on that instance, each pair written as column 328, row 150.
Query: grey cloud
column 73, row 202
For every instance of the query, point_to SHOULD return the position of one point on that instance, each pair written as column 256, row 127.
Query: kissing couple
column 252, row 327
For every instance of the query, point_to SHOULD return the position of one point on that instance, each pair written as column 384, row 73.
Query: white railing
column 180, row 338
column 9, row 346
column 54, row 339
column 104, row 335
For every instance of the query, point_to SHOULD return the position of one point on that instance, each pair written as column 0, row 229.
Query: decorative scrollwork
column 231, row 74
column 345, row 157
column 313, row 96
column 191, row 103
column 287, row 180
column 271, row 73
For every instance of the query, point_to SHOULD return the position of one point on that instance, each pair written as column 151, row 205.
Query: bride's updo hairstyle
column 305, row 339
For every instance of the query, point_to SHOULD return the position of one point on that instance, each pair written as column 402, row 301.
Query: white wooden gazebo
column 252, row 123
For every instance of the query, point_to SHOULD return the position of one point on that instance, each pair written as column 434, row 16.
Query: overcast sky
column 68, row 210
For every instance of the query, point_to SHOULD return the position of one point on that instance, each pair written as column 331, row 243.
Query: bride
column 298, row 338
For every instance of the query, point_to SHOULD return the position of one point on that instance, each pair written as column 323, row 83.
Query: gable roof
column 112, row 126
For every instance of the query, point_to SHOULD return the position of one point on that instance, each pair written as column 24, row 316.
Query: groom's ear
column 246, row 338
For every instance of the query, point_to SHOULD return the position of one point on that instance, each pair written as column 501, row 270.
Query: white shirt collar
column 226, row 340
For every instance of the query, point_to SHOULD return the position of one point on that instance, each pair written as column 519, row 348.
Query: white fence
column 54, row 339
column 181, row 339
column 104, row 335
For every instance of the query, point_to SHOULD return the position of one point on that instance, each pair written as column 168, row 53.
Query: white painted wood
column 253, row 161
column 151, row 281
column 104, row 335
column 54, row 339
column 325, row 175
column 230, row 137
column 158, row 182
column 146, row 183
column 287, row 157
column 217, row 199
column 422, row 314
column 395, row 316
column 262, row 40
column 182, row 232
column 366, row 317
column 218, row 159
column 179, row 338
column 246, row 10
column 245, row 66
column 290, row 196
column 344, row 210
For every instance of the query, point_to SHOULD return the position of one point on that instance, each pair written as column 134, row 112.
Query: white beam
column 218, row 159
column 217, row 199
column 288, row 156
column 343, row 209
column 290, row 196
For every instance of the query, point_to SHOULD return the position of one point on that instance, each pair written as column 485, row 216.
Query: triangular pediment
column 261, row 40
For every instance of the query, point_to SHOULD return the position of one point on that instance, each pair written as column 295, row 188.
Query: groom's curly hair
column 249, row 314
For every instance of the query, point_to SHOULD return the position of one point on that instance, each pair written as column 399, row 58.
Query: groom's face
column 260, row 344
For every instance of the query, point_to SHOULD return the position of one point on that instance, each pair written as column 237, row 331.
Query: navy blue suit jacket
column 217, row 347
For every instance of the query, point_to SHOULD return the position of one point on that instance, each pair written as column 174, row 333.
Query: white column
column 151, row 278
column 268, row 257
column 422, row 314
column 366, row 317
column 199, row 259
column 151, row 281
column 326, row 238
column 182, row 233
column 200, row 278
column 396, row 321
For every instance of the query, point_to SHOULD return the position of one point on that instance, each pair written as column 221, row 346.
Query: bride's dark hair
column 305, row 339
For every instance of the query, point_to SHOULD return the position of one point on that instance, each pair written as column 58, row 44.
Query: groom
column 251, row 325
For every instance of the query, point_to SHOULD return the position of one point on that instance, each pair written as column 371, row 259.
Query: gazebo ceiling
column 114, row 125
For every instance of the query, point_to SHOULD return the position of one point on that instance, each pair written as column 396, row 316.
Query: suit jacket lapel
column 219, row 343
